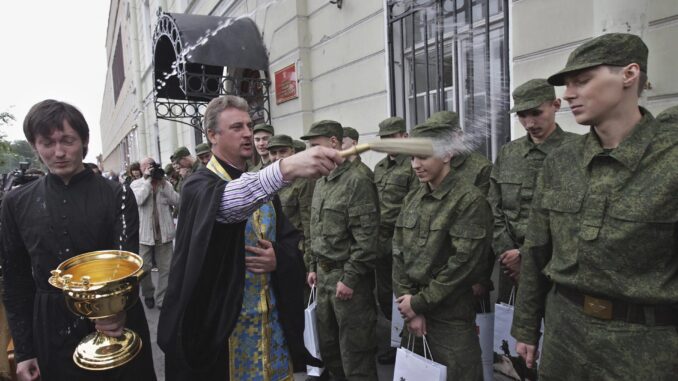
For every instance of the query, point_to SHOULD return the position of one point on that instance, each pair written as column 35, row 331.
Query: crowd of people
column 584, row 228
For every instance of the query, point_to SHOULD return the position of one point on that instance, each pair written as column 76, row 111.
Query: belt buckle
column 598, row 308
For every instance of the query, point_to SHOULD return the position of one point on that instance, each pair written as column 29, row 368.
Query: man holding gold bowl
column 68, row 212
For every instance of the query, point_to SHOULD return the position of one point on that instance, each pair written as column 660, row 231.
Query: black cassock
column 43, row 224
column 206, row 283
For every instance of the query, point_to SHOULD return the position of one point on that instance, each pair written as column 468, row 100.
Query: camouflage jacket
column 296, row 205
column 603, row 222
column 475, row 168
column 512, row 183
column 358, row 163
column 394, row 179
column 440, row 245
column 344, row 222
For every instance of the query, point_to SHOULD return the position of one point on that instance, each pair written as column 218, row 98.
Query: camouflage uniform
column 600, row 253
column 358, row 164
column 296, row 204
column 440, row 247
column 344, row 221
column 514, row 177
column 394, row 178
column 670, row 115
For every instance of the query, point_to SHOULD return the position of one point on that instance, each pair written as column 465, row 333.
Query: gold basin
column 97, row 285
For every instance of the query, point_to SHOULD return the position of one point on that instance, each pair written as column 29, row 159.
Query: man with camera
column 155, row 195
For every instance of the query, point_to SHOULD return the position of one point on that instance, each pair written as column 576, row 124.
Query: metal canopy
column 190, row 54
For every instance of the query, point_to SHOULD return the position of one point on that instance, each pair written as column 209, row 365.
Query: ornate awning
column 197, row 58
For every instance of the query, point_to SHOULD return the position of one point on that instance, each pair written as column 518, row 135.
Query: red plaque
column 286, row 84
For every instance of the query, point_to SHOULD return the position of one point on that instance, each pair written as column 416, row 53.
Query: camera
column 157, row 173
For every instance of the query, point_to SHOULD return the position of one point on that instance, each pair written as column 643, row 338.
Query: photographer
column 154, row 196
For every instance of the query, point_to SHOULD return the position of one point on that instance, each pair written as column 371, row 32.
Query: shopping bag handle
column 427, row 349
column 512, row 296
column 311, row 296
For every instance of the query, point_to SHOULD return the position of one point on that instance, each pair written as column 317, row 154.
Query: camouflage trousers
column 583, row 348
column 453, row 343
column 347, row 328
column 383, row 271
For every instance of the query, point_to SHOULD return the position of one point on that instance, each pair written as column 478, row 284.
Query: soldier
column 600, row 256
column 299, row 146
column 261, row 133
column 394, row 178
column 344, row 221
column 350, row 139
column 442, row 237
column 514, row 174
column 203, row 152
column 474, row 168
column 670, row 115
column 185, row 164
column 295, row 199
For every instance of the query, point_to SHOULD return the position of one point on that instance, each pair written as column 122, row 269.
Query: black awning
column 186, row 45
column 230, row 42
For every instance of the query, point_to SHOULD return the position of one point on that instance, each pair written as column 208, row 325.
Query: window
column 451, row 55
column 118, row 69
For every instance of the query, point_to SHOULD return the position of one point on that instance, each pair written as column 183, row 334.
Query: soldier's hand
column 417, row 325
column 311, row 279
column 264, row 260
column 479, row 290
column 405, row 308
column 343, row 291
column 313, row 163
column 510, row 260
column 28, row 370
column 528, row 352
column 111, row 326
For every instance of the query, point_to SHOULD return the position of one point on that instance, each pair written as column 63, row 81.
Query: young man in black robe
column 207, row 275
column 68, row 212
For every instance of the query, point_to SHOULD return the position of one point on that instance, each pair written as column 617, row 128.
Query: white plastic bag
column 413, row 367
column 311, row 334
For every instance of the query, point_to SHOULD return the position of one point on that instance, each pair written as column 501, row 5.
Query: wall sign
column 286, row 84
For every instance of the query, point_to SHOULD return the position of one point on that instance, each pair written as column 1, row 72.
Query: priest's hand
column 344, row 292
column 111, row 326
column 28, row 370
column 313, row 162
column 263, row 260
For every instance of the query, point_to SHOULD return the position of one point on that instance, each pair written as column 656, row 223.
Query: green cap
column 299, row 146
column 280, row 141
column 202, row 148
column 432, row 130
column 350, row 132
column 532, row 94
column 180, row 153
column 326, row 128
column 392, row 125
column 263, row 127
column 615, row 49
column 447, row 117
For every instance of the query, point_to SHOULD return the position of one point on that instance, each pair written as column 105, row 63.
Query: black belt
column 608, row 309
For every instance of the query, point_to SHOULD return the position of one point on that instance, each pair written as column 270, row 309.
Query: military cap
column 350, row 132
column 202, row 148
column 614, row 49
column 532, row 94
column 169, row 169
column 299, row 146
column 326, row 128
column 263, row 127
column 180, row 153
column 392, row 125
column 432, row 130
column 447, row 117
column 280, row 141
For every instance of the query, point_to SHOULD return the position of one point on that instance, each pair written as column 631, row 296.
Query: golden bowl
column 97, row 285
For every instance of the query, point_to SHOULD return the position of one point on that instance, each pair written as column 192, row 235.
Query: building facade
column 360, row 61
